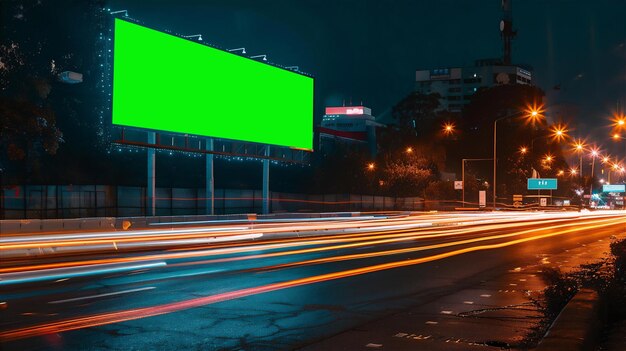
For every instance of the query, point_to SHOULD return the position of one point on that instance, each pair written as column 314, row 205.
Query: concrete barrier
column 25, row 226
column 578, row 325
column 115, row 223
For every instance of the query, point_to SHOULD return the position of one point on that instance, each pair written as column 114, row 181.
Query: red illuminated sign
column 345, row 110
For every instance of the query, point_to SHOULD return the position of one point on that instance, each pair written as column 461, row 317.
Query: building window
column 471, row 80
column 454, row 90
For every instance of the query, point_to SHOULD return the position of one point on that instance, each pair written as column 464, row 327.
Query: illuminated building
column 353, row 127
column 457, row 85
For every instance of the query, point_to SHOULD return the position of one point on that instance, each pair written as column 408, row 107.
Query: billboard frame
column 234, row 54
column 152, row 145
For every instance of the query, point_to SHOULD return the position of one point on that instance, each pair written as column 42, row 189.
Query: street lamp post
column 594, row 154
column 533, row 114
column 579, row 147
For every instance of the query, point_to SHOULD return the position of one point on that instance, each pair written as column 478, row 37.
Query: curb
column 578, row 326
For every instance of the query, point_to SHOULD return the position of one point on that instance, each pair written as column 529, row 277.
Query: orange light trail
column 380, row 236
column 392, row 239
column 126, row 315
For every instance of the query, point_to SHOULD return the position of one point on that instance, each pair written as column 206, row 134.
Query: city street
column 265, row 285
column 349, row 175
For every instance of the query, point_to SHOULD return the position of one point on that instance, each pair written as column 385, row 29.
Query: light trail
column 126, row 315
column 395, row 237
column 407, row 250
column 65, row 273
column 108, row 238
column 392, row 239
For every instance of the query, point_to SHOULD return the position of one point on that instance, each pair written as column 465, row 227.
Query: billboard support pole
column 266, row 181
column 150, row 187
column 210, row 180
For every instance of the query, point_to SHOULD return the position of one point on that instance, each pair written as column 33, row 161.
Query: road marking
column 446, row 312
column 102, row 295
column 432, row 322
column 485, row 295
column 468, row 302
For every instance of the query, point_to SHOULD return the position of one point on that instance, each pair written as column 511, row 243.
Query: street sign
column 458, row 185
column 542, row 183
column 614, row 188
column 482, row 198
column 543, row 202
column 518, row 198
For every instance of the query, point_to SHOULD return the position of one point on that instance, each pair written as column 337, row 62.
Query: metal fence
column 75, row 201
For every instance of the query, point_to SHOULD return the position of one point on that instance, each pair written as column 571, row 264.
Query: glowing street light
column 371, row 166
column 559, row 132
column 448, row 128
column 409, row 150
column 532, row 113
column 523, row 150
column 573, row 171
column 579, row 147
column 560, row 173
column 619, row 122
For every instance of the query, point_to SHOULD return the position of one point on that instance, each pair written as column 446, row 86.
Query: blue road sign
column 542, row 183
column 614, row 188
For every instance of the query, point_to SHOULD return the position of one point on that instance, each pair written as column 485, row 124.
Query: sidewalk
column 494, row 314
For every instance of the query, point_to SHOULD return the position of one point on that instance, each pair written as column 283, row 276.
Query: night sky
column 368, row 50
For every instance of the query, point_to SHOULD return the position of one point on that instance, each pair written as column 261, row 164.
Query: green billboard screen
column 164, row 82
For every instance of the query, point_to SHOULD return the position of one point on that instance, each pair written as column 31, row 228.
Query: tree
column 26, row 129
column 440, row 190
column 408, row 174
column 416, row 112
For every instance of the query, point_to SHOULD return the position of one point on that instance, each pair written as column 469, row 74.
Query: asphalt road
column 261, row 286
